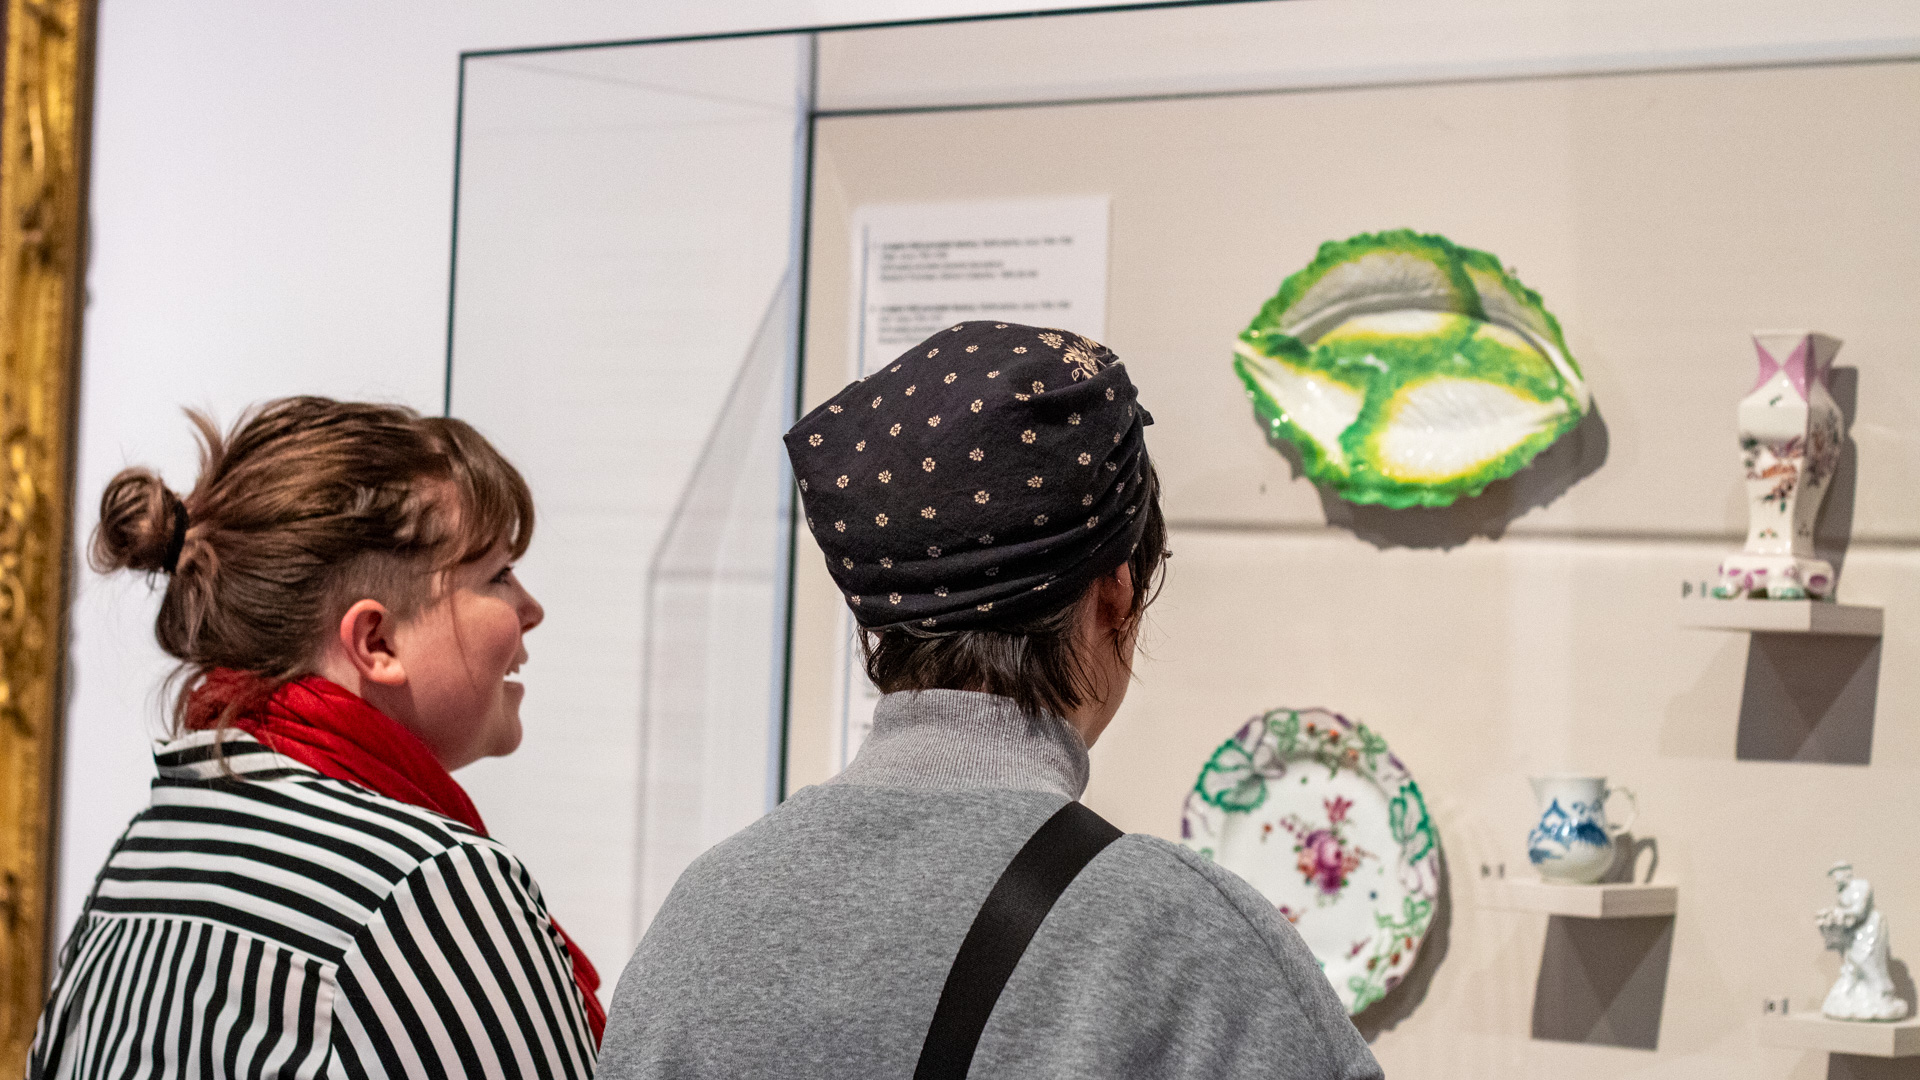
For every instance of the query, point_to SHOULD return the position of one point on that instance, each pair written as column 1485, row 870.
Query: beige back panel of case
column 1662, row 216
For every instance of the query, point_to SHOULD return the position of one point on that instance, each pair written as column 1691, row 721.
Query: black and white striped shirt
column 276, row 923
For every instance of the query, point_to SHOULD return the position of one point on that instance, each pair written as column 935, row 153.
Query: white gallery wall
column 270, row 211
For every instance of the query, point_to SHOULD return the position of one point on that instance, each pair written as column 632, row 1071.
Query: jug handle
column 1632, row 816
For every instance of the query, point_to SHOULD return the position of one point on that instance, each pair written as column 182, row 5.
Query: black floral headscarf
column 988, row 475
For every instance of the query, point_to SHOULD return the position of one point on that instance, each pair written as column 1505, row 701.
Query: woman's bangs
column 496, row 507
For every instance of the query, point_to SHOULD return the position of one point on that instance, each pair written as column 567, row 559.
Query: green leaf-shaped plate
column 1409, row 371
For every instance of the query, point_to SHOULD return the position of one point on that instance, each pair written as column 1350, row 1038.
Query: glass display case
column 660, row 261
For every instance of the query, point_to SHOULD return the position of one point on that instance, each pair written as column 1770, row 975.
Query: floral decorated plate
column 1318, row 815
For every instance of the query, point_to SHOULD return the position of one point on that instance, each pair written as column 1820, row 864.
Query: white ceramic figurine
column 1790, row 443
column 1857, row 930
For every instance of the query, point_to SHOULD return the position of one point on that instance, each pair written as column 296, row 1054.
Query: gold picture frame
column 45, row 107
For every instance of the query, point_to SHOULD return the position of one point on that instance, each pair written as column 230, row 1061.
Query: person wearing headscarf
column 987, row 507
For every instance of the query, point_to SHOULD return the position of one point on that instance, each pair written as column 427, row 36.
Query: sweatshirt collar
column 957, row 740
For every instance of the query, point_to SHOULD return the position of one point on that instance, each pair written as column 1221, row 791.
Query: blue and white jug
column 1572, row 844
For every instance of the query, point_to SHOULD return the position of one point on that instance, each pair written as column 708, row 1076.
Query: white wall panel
column 1487, row 664
column 1662, row 215
column 625, row 227
column 1314, row 44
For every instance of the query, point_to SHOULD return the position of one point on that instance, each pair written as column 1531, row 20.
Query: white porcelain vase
column 1572, row 843
column 1790, row 436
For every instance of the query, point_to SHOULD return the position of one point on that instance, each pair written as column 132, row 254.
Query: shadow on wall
column 1575, row 457
column 1603, row 981
column 1903, row 987
column 1627, row 849
column 1833, row 529
column 1809, row 698
column 1854, row 1067
column 1386, row 1014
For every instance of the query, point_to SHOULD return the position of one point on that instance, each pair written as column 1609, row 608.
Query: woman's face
column 457, row 653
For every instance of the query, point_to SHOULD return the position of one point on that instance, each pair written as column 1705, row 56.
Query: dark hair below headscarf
column 1040, row 663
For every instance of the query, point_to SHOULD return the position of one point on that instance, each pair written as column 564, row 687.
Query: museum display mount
column 1782, row 617
column 1612, row 900
column 1811, row 1031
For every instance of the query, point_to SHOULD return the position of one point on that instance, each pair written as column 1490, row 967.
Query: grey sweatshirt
column 815, row 942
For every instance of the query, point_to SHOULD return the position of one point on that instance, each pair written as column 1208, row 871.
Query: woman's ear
column 366, row 633
column 1115, row 598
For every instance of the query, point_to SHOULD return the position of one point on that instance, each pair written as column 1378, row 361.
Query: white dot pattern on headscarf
column 1042, row 426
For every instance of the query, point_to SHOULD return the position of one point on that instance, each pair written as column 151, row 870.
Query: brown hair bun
column 140, row 524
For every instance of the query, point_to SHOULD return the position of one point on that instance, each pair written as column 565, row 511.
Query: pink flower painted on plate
column 1324, row 857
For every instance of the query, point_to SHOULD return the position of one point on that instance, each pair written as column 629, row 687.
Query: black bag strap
column 1008, row 919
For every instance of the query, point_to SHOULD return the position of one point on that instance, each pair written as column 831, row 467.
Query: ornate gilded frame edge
column 46, row 107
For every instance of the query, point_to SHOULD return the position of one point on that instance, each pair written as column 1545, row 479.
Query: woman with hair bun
column 311, row 894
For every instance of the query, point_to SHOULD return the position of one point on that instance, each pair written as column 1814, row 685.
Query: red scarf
column 338, row 735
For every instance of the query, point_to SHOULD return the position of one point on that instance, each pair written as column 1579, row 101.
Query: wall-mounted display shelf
column 1865, row 1038
column 1622, row 900
column 1782, row 617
